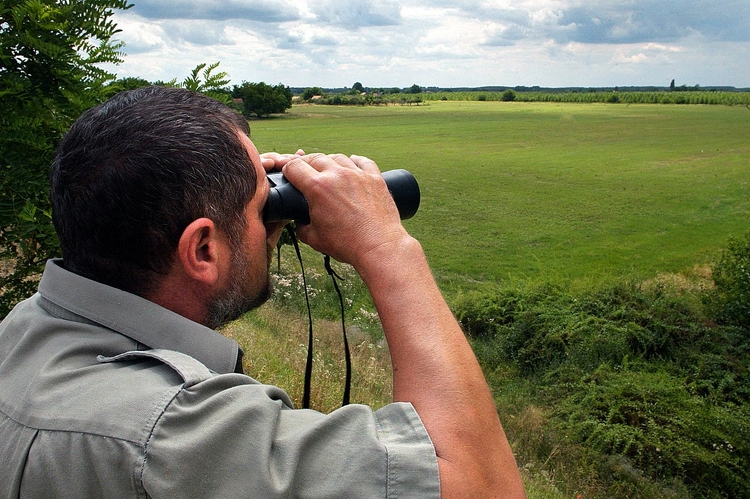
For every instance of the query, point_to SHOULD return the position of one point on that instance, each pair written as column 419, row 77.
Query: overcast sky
column 457, row 43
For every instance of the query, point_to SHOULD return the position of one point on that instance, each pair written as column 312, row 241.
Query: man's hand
column 353, row 217
column 273, row 161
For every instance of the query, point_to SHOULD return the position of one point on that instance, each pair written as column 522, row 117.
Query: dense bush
column 639, row 374
column 50, row 72
column 731, row 299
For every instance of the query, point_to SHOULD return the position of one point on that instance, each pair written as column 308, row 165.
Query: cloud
column 296, row 40
column 504, row 36
column 354, row 14
column 653, row 21
column 442, row 42
column 197, row 32
column 267, row 11
column 140, row 37
column 608, row 21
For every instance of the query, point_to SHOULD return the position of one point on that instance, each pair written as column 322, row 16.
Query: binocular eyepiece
column 285, row 202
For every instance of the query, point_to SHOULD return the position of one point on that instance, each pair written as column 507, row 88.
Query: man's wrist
column 389, row 262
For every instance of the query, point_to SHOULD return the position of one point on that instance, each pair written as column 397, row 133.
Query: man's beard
column 235, row 300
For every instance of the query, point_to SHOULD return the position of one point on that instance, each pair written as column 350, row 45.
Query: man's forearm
column 435, row 369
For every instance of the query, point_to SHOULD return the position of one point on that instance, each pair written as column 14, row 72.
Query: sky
column 441, row 43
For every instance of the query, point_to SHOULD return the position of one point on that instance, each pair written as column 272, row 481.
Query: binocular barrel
column 285, row 202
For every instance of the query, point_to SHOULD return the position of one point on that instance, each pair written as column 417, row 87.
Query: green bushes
column 638, row 375
column 731, row 299
column 51, row 55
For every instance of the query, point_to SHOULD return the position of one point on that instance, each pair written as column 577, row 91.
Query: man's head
column 134, row 172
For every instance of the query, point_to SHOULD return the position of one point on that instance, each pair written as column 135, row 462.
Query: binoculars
column 285, row 202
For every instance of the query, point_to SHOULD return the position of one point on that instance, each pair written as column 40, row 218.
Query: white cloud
column 221, row 10
column 353, row 14
column 442, row 42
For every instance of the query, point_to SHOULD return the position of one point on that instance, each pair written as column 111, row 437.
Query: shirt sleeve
column 229, row 436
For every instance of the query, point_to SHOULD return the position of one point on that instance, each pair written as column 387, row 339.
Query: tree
column 508, row 96
column 358, row 87
column 50, row 56
column 311, row 92
column 261, row 100
column 122, row 84
column 415, row 89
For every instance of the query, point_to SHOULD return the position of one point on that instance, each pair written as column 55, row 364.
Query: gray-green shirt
column 105, row 394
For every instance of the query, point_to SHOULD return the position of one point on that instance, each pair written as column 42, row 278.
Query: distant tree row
column 612, row 97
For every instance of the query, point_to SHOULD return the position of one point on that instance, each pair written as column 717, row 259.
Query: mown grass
column 518, row 190
column 580, row 236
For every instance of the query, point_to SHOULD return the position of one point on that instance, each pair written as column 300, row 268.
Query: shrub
column 731, row 299
column 634, row 373
column 480, row 314
column 652, row 420
column 508, row 96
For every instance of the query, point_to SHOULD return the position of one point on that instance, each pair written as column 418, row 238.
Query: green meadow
column 575, row 243
column 521, row 190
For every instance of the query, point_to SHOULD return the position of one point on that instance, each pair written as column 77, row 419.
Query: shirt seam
column 150, row 436
column 77, row 432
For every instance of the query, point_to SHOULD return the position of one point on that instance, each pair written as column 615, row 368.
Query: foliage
column 679, row 96
column 311, row 92
column 261, row 100
column 632, row 372
column 508, row 96
column 202, row 79
column 123, row 84
column 50, row 54
column 356, row 99
column 731, row 299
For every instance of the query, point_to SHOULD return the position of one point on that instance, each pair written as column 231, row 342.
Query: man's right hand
column 352, row 214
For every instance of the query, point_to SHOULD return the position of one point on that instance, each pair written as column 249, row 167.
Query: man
column 115, row 385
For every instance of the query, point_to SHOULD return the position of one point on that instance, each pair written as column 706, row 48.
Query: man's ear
column 198, row 251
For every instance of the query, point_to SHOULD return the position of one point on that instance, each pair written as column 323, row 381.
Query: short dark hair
column 132, row 173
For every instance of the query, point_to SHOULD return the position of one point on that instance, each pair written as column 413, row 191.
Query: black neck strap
column 347, row 354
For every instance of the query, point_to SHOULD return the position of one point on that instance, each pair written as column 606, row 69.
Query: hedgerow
column 636, row 374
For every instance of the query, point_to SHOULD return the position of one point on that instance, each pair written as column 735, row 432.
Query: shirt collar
column 137, row 318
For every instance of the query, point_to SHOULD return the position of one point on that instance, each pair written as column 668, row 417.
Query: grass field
column 525, row 202
column 521, row 190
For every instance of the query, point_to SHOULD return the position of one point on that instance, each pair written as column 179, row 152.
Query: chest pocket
column 191, row 370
